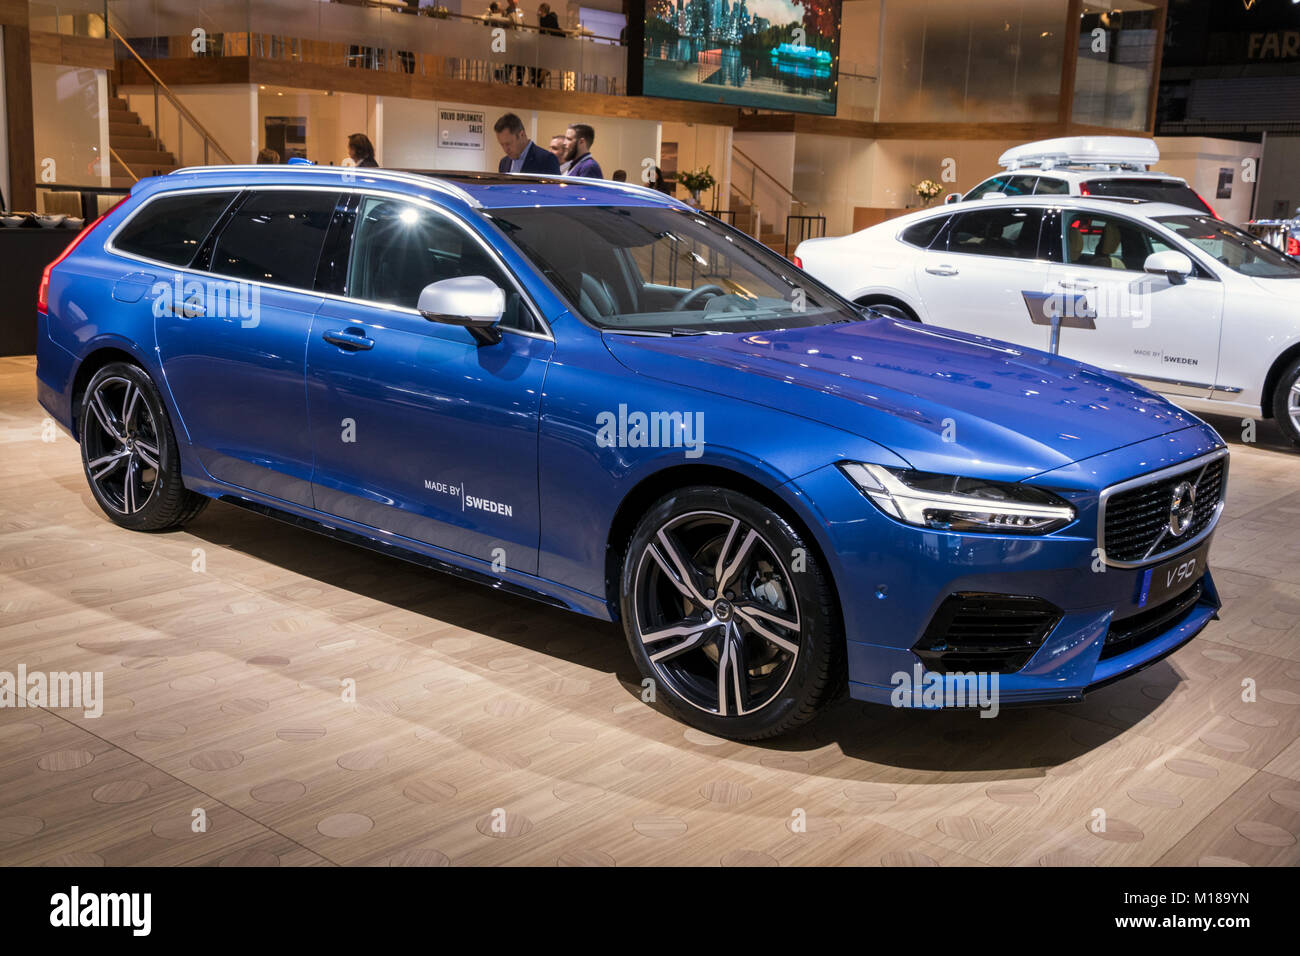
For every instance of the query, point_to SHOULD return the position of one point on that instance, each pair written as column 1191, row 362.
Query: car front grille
column 1135, row 631
column 1135, row 515
column 985, row 632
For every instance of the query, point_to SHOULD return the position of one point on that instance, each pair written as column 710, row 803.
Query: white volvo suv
column 1188, row 305
column 1086, row 166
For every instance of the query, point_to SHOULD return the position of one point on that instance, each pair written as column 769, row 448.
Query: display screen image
column 770, row 54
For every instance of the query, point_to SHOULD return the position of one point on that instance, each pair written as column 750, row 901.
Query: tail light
column 1292, row 246
column 798, row 263
column 1084, row 190
column 43, row 295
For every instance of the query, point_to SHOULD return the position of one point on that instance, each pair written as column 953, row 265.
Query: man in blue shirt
column 579, row 138
column 521, row 154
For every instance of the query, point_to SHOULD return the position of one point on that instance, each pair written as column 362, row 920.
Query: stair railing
column 121, row 162
column 751, row 196
column 160, row 88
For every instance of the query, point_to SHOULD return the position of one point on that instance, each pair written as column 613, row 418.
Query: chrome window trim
column 1191, row 464
column 110, row 246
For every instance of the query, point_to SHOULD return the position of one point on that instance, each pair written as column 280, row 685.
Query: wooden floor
column 475, row 708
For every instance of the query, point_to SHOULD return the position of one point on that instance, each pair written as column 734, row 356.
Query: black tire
column 776, row 676
column 1286, row 402
column 129, row 452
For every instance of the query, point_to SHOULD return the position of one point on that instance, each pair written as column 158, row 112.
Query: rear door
column 975, row 272
column 232, row 332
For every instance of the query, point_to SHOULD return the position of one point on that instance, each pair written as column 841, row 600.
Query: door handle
column 1081, row 285
column 943, row 270
column 353, row 340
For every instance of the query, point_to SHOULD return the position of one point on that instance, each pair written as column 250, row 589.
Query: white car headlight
column 953, row 503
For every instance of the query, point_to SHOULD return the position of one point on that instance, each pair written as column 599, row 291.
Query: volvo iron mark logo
column 1182, row 508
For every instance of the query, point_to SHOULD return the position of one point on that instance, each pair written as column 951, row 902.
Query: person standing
column 547, row 21
column 578, row 138
column 560, row 149
column 361, row 150
column 521, row 154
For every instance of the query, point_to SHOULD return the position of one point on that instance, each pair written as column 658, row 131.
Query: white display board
column 460, row 129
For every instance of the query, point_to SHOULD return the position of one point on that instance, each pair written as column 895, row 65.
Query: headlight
column 950, row 503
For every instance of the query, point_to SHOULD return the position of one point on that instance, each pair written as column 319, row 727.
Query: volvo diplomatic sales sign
column 460, row 129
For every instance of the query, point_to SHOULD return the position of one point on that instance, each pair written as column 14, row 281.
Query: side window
column 922, row 233
column 1108, row 242
column 1005, row 231
column 1049, row 186
column 995, row 185
column 400, row 247
column 276, row 237
column 1009, row 184
column 172, row 229
column 1020, row 185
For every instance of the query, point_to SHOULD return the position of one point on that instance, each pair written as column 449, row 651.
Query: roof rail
column 416, row 179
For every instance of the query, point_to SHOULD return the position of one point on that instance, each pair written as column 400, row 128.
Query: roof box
column 1127, row 152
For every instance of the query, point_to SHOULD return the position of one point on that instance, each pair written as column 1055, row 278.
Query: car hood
column 944, row 401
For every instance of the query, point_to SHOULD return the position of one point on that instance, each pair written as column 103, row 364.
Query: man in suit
column 579, row 138
column 521, row 154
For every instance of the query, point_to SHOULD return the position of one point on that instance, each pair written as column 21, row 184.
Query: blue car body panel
column 486, row 458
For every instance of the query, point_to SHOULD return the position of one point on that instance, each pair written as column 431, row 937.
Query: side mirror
column 951, row 198
column 1172, row 264
column 475, row 303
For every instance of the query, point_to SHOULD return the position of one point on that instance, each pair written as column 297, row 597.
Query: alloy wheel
column 121, row 444
column 716, row 610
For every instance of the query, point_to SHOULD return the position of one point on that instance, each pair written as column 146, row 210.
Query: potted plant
column 928, row 190
column 697, row 182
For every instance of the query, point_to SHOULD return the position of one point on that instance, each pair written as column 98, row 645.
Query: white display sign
column 460, row 129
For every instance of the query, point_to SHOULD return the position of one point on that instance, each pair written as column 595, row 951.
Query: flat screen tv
column 769, row 54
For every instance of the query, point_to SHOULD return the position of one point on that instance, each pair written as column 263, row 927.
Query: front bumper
column 893, row 578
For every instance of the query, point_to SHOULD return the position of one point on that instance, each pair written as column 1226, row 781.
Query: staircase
column 136, row 144
column 745, row 219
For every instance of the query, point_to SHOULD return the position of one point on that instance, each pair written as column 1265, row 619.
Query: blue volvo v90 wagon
column 595, row 395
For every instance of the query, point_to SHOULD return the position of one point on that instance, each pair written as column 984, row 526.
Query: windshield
column 660, row 269
column 1239, row 251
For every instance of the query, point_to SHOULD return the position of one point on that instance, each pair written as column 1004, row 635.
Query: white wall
column 69, row 106
column 774, row 154
column 330, row 120
column 1279, row 187
column 1198, row 159
column 228, row 111
column 699, row 146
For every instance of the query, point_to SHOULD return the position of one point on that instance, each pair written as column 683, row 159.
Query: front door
column 418, row 429
column 1162, row 333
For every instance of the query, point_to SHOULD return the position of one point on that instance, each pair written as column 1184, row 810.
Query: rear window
column 276, row 237
column 1006, row 231
column 172, row 228
column 1158, row 190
